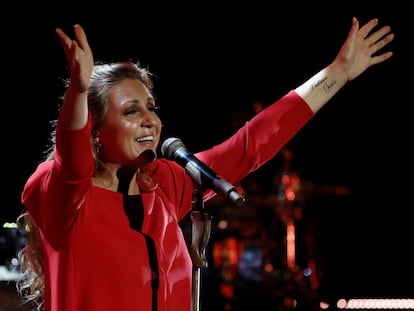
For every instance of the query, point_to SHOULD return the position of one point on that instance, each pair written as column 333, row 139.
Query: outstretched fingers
column 377, row 35
column 81, row 37
column 64, row 39
column 380, row 58
column 365, row 30
column 377, row 40
column 380, row 39
column 79, row 56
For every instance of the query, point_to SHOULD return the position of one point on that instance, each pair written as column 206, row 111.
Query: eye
column 152, row 108
column 131, row 110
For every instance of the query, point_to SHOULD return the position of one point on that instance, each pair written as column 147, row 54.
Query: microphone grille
column 170, row 146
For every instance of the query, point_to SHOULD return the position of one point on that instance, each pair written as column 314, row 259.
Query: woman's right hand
column 78, row 56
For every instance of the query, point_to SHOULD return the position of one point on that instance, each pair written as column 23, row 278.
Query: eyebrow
column 137, row 101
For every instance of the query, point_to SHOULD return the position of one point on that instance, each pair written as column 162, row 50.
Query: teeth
column 147, row 138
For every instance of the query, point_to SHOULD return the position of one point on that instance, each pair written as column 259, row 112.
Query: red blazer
column 94, row 259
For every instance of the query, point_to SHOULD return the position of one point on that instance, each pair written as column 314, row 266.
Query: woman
column 103, row 212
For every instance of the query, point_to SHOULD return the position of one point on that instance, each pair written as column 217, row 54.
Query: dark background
column 213, row 60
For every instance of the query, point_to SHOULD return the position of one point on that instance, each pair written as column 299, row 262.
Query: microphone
column 173, row 148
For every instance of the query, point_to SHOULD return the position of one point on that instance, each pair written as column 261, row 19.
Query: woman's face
column 131, row 125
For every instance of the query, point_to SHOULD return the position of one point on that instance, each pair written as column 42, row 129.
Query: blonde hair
column 30, row 284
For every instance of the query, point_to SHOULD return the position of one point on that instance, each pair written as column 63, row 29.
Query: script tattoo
column 326, row 86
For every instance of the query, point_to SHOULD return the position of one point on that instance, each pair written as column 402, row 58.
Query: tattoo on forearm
column 326, row 86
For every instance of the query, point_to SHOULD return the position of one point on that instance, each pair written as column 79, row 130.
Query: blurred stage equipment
column 12, row 239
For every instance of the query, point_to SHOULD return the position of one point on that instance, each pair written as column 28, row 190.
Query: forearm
column 74, row 111
column 320, row 88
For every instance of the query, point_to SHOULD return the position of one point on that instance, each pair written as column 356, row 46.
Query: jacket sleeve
column 259, row 140
column 56, row 190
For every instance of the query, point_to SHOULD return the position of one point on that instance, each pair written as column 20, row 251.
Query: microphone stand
column 201, row 227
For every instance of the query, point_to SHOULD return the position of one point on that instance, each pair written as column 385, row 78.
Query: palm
column 358, row 52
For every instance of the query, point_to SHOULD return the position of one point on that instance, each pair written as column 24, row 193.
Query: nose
column 150, row 119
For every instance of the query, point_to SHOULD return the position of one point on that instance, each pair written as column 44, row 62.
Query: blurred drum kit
column 267, row 244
